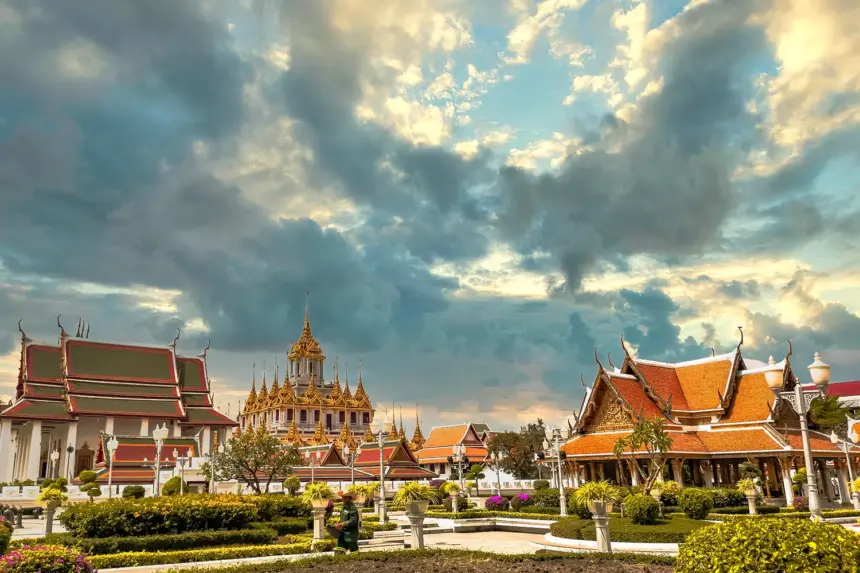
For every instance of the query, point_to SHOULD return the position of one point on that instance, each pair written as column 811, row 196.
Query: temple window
column 303, row 416
column 290, row 415
column 352, row 418
column 277, row 415
column 365, row 418
column 316, row 415
column 341, row 416
column 254, row 420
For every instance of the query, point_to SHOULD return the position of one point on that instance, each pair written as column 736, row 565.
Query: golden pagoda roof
column 293, row 436
column 312, row 394
column 251, row 402
column 417, row 437
column 319, row 437
column 263, row 396
column 360, row 395
column 368, row 437
column 306, row 346
column 346, row 438
column 286, row 395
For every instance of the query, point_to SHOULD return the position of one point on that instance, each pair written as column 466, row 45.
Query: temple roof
column 442, row 439
column 306, row 346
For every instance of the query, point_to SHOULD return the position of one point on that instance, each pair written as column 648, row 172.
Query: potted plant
column 415, row 497
column 360, row 493
column 855, row 495
column 747, row 487
column 599, row 496
column 51, row 498
column 318, row 494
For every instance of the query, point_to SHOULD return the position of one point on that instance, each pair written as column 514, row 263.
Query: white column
column 68, row 461
column 785, row 466
column 109, row 425
column 177, row 430
column 708, row 472
column 634, row 472
column 35, row 451
column 144, row 427
column 7, row 452
column 207, row 439
column 844, row 490
column 678, row 472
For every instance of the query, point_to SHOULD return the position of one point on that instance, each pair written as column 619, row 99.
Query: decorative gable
column 610, row 415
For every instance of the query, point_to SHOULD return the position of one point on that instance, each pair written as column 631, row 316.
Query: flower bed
column 673, row 530
column 156, row 515
column 177, row 541
column 134, row 559
column 45, row 559
column 483, row 514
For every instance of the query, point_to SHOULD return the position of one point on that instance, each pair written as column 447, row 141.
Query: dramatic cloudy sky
column 476, row 193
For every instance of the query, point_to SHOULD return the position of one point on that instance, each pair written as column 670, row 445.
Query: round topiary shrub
column 547, row 497
column 695, row 503
column 540, row 484
column 770, row 544
column 522, row 500
column 133, row 492
column 642, row 509
column 669, row 493
column 496, row 503
column 171, row 486
column 462, row 504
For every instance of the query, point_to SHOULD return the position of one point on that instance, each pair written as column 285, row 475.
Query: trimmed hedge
column 674, row 530
column 157, row 515
column 285, row 526
column 136, row 559
column 642, row 509
column 272, row 507
column 762, row 509
column 5, row 534
column 191, row 540
column 826, row 514
column 695, row 503
column 765, row 545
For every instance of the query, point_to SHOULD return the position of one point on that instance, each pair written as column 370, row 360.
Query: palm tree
column 476, row 472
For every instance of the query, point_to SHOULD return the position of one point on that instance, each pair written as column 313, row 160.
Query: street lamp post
column 181, row 460
column 310, row 458
column 496, row 460
column 55, row 455
column 351, row 455
column 212, row 466
column 381, row 431
column 70, row 449
column 800, row 400
column 846, row 448
column 554, row 457
column 158, row 434
column 112, row 446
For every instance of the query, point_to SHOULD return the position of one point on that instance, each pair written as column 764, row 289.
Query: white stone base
column 553, row 543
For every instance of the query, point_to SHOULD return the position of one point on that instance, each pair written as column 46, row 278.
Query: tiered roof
column 712, row 406
column 82, row 377
column 398, row 461
column 329, row 466
column 135, row 456
column 442, row 439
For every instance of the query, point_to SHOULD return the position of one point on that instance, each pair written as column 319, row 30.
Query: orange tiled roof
column 664, row 381
column 603, row 443
column 440, row 454
column 817, row 441
column 446, row 436
column 752, row 400
column 633, row 392
column 743, row 440
column 702, row 381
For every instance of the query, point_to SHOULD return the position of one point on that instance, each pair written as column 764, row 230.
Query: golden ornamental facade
column 304, row 408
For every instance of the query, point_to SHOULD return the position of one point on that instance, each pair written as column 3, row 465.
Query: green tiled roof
column 121, row 390
column 44, row 362
column 38, row 410
column 191, row 375
column 196, row 399
column 125, row 406
column 207, row 416
column 44, row 390
column 92, row 360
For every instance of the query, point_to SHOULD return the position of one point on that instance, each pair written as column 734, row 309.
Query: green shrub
column 213, row 554
column 89, row 485
column 521, row 500
column 542, row 510
column 765, row 545
column 547, row 497
column 272, row 507
column 642, row 509
column 133, row 492
column 673, row 530
column 695, row 503
column 669, row 493
column 540, row 484
column 171, row 486
column 578, row 508
column 762, row 509
column 157, row 515
column 292, row 484
column 726, row 497
column 45, row 559
column 462, row 504
column 5, row 534
column 286, row 525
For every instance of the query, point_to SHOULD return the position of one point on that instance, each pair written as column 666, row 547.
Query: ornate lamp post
column 159, row 434
column 312, row 459
column 351, row 455
column 496, row 460
column 846, row 448
column 554, row 437
column 212, row 466
column 55, row 455
column 800, row 400
column 381, row 431
column 70, row 449
column 181, row 460
column 112, row 446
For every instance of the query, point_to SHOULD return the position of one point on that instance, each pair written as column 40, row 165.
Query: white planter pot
column 599, row 508
column 319, row 503
column 417, row 507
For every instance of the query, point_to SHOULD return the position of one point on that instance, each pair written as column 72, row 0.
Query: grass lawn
column 455, row 561
column 672, row 530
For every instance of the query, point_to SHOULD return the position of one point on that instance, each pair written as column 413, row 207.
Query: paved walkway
column 492, row 541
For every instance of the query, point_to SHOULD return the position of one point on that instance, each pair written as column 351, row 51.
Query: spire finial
column 713, row 351
column 741, row 341
column 205, row 350
column 63, row 333
column 178, row 333
column 307, row 303
column 87, row 335
column 79, row 332
column 254, row 376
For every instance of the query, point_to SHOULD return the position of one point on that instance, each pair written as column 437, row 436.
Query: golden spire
column 347, row 393
column 312, row 395
column 417, row 437
column 368, row 436
column 306, row 346
column 336, row 392
column 319, row 438
column 252, row 396
column 273, row 393
column 263, row 396
column 286, row 395
column 401, row 433
column 293, row 436
column 360, row 394
column 346, row 438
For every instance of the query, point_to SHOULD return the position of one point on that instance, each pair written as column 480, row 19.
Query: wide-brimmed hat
column 348, row 494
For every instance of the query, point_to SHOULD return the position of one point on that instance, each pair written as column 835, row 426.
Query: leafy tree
column 827, row 413
column 292, row 484
column 475, row 473
column 89, row 485
column 749, row 470
column 518, row 450
column 255, row 457
column 171, row 486
column 648, row 436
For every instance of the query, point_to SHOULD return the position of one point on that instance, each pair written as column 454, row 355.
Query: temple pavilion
column 70, row 395
column 719, row 412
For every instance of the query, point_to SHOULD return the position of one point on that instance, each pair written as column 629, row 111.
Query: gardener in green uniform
column 348, row 525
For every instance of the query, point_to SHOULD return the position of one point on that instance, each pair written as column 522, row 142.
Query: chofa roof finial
column 609, row 357
column 205, row 350
column 582, row 380
column 713, row 351
column 741, row 341
column 178, row 333
column 63, row 332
